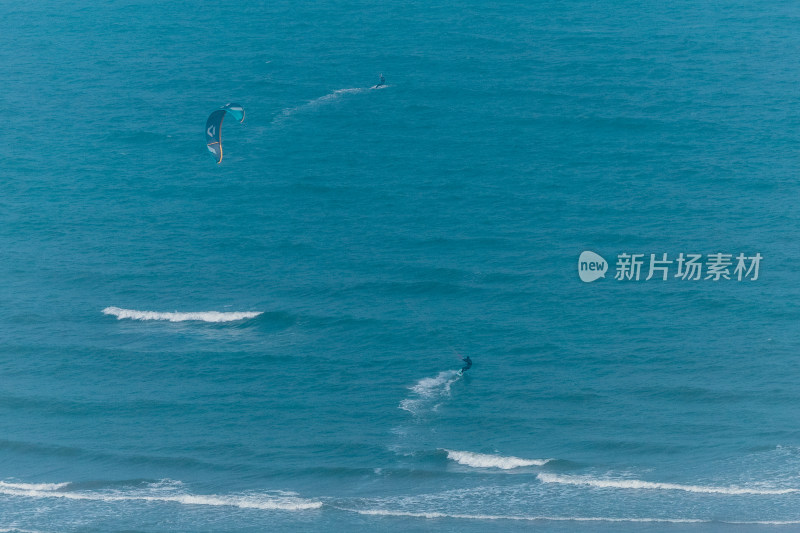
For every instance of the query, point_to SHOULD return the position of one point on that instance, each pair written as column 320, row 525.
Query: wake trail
column 321, row 101
column 427, row 393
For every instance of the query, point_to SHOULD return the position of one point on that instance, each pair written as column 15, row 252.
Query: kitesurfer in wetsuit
column 381, row 82
column 468, row 364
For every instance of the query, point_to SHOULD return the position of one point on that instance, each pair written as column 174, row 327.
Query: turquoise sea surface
column 272, row 343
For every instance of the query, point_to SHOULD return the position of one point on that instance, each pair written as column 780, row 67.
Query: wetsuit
column 468, row 364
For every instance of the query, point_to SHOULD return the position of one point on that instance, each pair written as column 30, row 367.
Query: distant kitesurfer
column 467, row 365
column 381, row 82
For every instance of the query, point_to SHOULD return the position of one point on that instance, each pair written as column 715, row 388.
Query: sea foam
column 534, row 518
column 275, row 500
column 483, row 460
column 427, row 391
column 328, row 98
column 436, row 514
column 200, row 316
column 636, row 484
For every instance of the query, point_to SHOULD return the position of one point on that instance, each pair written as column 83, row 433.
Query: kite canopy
column 214, row 127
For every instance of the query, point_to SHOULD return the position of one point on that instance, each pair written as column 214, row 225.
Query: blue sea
column 272, row 343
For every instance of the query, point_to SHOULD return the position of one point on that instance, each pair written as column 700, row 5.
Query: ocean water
column 271, row 344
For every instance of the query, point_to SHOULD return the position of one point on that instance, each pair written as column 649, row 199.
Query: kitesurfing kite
column 214, row 127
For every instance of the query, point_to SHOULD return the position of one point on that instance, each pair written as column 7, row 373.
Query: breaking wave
column 483, row 460
column 200, row 316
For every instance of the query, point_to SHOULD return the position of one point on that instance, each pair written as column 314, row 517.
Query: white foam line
column 253, row 501
column 649, row 485
column 483, row 460
column 32, row 486
column 435, row 515
column 201, row 316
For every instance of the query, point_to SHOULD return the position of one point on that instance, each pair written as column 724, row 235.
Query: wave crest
column 483, row 460
column 200, row 316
